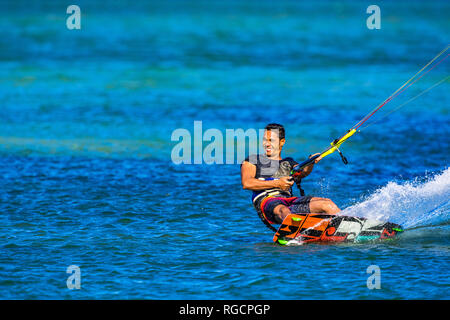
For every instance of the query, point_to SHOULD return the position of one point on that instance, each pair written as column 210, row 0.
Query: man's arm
column 308, row 169
column 249, row 182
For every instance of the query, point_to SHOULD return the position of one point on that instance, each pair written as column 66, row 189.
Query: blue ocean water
column 87, row 179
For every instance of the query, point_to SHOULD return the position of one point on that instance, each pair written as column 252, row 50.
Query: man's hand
column 318, row 159
column 307, row 170
column 285, row 183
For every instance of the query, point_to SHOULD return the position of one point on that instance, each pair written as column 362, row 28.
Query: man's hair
column 278, row 127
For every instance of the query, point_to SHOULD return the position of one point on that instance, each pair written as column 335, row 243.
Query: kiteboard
column 319, row 227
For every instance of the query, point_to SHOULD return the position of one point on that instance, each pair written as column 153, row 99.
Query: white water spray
column 411, row 204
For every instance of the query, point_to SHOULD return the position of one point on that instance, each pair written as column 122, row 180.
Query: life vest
column 267, row 170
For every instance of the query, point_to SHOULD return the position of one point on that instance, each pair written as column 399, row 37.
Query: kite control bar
column 334, row 147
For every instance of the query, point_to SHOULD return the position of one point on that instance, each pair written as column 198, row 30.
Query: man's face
column 272, row 143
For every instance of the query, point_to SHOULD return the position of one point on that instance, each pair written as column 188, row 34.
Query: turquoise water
column 86, row 118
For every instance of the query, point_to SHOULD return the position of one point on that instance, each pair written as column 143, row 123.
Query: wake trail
column 411, row 204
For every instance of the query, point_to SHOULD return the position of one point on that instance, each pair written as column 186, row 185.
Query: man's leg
column 316, row 205
column 281, row 211
column 323, row 205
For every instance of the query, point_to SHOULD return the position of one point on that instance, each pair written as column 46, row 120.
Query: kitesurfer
column 269, row 176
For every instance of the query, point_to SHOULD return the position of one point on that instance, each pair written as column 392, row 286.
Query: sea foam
column 411, row 204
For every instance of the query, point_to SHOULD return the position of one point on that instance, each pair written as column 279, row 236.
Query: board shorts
column 295, row 204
